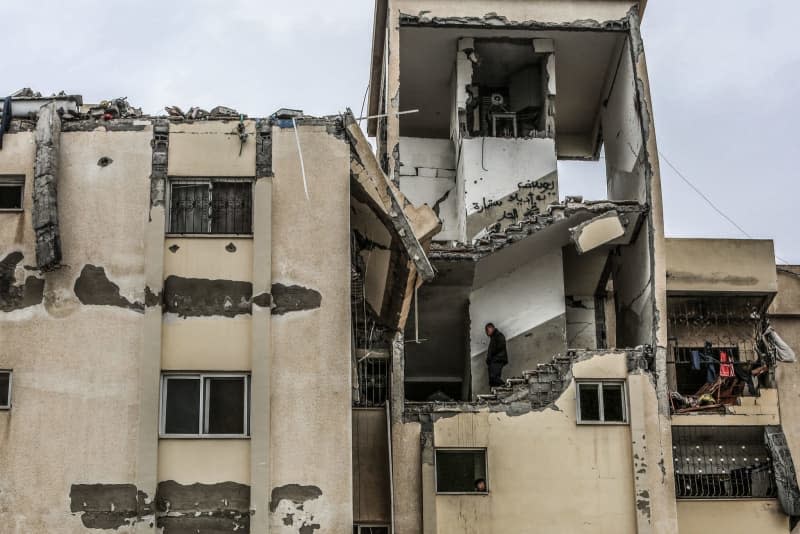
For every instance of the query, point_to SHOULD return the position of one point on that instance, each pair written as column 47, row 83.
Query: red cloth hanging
column 725, row 365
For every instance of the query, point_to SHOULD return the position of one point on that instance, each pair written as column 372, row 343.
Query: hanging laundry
column 783, row 352
column 725, row 366
column 696, row 360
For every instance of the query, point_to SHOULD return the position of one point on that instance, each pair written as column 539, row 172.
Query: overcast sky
column 725, row 79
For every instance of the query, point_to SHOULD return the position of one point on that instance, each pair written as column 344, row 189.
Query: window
column 373, row 382
column 210, row 206
column 201, row 405
column 722, row 463
column 461, row 470
column 370, row 529
column 602, row 402
column 5, row 390
column 11, row 188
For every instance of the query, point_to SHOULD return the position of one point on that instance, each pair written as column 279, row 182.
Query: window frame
column 357, row 527
column 14, row 180
column 485, row 452
column 206, row 180
column 600, row 383
column 10, row 399
column 203, row 404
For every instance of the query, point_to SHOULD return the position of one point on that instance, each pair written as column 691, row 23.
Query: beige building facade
column 216, row 323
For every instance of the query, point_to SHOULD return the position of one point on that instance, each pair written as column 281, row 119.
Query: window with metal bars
column 211, row 206
column 722, row 463
column 373, row 382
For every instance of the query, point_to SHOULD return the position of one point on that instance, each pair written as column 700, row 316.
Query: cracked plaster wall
column 196, row 342
column 311, row 349
column 428, row 176
column 589, row 488
column 63, row 385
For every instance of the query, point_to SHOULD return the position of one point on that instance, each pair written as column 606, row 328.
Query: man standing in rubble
column 496, row 356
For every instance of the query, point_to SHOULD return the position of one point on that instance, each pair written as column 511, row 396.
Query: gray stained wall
column 78, row 451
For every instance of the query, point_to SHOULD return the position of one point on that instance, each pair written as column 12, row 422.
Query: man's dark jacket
column 497, row 349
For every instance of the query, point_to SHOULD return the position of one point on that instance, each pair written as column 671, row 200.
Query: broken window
column 11, row 189
column 461, row 471
column 5, row 390
column 211, row 206
column 602, row 402
column 373, row 381
column 194, row 405
column 722, row 462
column 370, row 529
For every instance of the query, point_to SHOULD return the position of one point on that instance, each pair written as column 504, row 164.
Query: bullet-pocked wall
column 73, row 336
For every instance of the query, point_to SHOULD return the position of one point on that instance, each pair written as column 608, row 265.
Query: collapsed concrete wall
column 626, row 166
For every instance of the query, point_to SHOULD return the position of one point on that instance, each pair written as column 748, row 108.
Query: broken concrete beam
column 412, row 225
column 597, row 232
column 45, row 189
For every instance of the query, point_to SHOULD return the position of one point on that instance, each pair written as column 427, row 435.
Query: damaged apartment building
column 214, row 323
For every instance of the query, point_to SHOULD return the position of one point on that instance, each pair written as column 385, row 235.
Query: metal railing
column 722, row 463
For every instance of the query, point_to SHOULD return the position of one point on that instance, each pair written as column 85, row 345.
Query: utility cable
column 709, row 201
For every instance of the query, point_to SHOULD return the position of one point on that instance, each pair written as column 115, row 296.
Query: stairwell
column 541, row 386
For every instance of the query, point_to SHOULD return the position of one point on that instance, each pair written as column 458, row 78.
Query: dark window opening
column 510, row 85
column 210, row 207
column 182, row 415
column 602, row 402
column 225, row 405
column 11, row 189
column 200, row 405
column 5, row 390
column 439, row 390
column 461, row 470
column 689, row 380
column 722, row 462
column 373, row 382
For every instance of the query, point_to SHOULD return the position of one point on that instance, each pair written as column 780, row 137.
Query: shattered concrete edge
column 158, row 173
column 395, row 211
column 493, row 20
column 540, row 391
column 44, row 215
column 516, row 232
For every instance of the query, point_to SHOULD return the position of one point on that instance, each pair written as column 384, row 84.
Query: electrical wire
column 363, row 105
column 709, row 201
